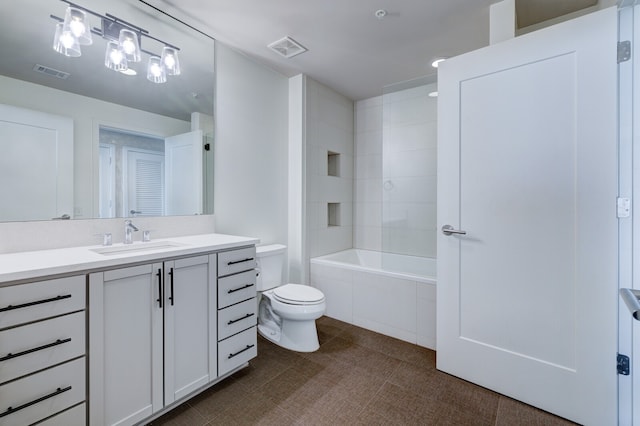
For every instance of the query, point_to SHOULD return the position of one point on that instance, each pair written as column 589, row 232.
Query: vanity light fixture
column 76, row 23
column 65, row 43
column 155, row 70
column 115, row 58
column 124, row 42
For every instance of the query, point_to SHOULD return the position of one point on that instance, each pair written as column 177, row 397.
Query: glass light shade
column 130, row 46
column 114, row 57
column 65, row 43
column 155, row 70
column 76, row 22
column 170, row 60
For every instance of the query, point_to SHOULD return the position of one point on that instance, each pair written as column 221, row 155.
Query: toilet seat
column 297, row 294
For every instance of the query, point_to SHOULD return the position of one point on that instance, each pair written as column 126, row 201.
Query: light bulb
column 77, row 27
column 67, row 39
column 116, row 56
column 128, row 46
column 169, row 61
column 156, row 70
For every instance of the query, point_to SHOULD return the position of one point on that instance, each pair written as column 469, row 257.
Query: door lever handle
column 448, row 230
column 632, row 300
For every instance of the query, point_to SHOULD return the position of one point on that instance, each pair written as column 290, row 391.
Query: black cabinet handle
column 12, row 410
column 240, row 351
column 240, row 319
column 171, row 275
column 159, row 299
column 249, row 259
column 39, row 348
column 38, row 302
column 233, row 290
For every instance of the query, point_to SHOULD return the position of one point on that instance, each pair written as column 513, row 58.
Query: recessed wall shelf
column 333, row 214
column 333, row 163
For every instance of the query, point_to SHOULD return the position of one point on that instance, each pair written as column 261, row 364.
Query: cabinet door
column 190, row 325
column 125, row 343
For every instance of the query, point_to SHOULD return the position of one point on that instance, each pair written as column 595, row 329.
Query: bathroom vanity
column 121, row 334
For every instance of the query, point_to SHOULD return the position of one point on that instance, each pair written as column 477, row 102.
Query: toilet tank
column 270, row 261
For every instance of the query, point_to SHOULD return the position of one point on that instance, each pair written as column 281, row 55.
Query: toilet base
column 299, row 336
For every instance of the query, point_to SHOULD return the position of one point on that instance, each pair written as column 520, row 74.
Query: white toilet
column 287, row 313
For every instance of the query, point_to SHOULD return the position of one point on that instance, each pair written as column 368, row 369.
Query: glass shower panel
column 409, row 158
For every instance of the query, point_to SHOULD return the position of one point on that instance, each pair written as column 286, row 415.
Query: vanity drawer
column 234, row 261
column 43, row 299
column 236, row 350
column 236, row 318
column 35, row 397
column 76, row 416
column 36, row 346
column 236, row 288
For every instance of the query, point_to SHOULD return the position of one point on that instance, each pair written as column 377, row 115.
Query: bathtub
column 387, row 293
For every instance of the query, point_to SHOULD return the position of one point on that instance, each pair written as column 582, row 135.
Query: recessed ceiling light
column 129, row 71
column 433, row 94
column 437, row 61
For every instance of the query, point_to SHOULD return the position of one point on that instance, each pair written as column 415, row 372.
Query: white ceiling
column 350, row 50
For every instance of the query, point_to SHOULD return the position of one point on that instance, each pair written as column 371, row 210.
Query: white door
column 527, row 166
column 107, row 181
column 36, row 165
column 183, row 156
column 125, row 345
column 143, row 183
column 190, row 325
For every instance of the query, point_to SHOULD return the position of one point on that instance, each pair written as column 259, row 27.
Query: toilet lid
column 297, row 294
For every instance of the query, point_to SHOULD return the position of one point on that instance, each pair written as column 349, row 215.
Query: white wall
column 368, row 175
column 250, row 187
column 87, row 114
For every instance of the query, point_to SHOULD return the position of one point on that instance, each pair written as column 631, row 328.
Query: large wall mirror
column 81, row 140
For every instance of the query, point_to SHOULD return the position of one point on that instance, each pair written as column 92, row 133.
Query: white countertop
column 38, row 264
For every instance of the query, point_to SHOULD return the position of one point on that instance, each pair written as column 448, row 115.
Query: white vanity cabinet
column 152, row 337
column 125, row 344
column 237, row 308
column 42, row 351
column 190, row 350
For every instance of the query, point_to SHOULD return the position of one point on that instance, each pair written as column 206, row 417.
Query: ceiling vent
column 287, row 47
column 51, row 72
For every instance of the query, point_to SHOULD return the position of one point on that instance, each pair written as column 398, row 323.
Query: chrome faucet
column 128, row 228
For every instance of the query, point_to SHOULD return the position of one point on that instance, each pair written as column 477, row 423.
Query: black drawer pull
column 39, row 302
column 12, row 410
column 249, row 259
column 233, row 290
column 240, row 351
column 239, row 319
column 39, row 348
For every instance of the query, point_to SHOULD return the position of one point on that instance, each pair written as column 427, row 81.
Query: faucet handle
column 107, row 239
column 146, row 236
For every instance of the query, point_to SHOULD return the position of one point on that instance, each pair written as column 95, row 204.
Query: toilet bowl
column 287, row 313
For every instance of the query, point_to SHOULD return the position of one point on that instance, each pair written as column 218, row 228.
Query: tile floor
column 357, row 377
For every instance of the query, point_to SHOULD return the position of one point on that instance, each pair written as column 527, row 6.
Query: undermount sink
column 135, row 248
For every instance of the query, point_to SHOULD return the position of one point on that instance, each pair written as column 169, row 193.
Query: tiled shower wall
column 368, row 175
column 329, row 170
column 395, row 172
